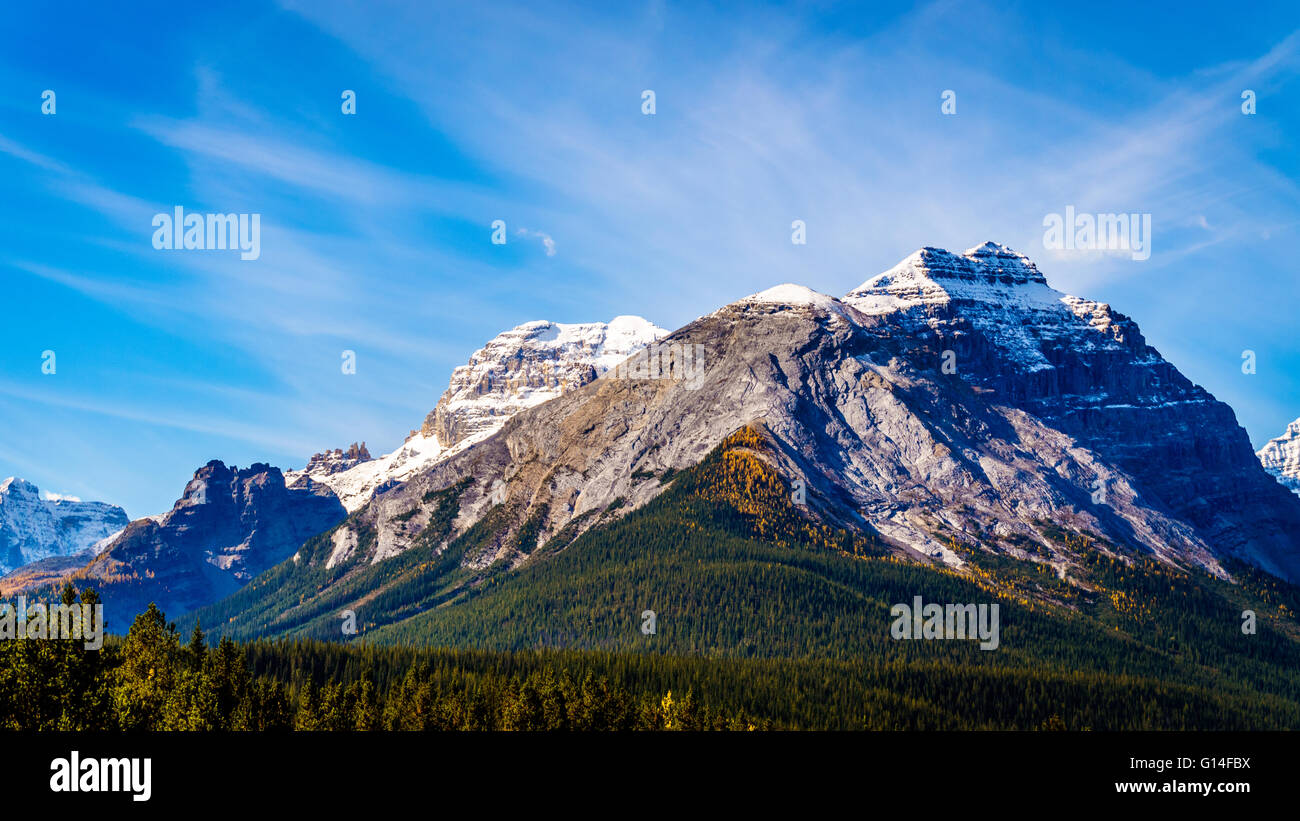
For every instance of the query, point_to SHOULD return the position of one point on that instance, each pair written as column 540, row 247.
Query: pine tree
column 230, row 681
column 147, row 675
column 197, row 651
column 307, row 716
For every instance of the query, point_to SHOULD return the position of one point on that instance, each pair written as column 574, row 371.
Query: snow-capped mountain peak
column 998, row 292
column 517, row 369
column 528, row 365
column 990, row 273
column 788, row 295
column 791, row 294
column 36, row 526
column 14, row 485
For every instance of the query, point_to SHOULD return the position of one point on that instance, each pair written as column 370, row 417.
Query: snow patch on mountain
column 798, row 295
column 1281, row 457
column 791, row 294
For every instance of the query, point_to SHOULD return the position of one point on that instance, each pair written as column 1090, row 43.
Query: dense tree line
column 151, row 680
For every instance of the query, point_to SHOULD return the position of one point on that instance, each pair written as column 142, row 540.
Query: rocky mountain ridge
column 954, row 403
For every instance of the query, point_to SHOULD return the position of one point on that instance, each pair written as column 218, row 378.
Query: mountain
column 1281, row 457
column 517, row 369
column 952, row 411
column 1085, row 370
column 35, row 526
column 228, row 526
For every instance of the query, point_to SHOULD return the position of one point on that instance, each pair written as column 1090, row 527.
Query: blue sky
column 375, row 227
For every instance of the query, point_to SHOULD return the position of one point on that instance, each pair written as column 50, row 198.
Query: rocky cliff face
column 33, row 527
column 228, row 526
column 1281, row 457
column 955, row 400
column 518, row 369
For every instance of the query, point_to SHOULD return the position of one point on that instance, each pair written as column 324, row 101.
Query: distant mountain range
column 950, row 411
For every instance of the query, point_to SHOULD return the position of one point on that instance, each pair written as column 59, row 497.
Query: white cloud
column 547, row 242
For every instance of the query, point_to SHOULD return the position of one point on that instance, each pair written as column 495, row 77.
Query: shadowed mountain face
column 954, row 403
column 228, row 526
column 1085, row 370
